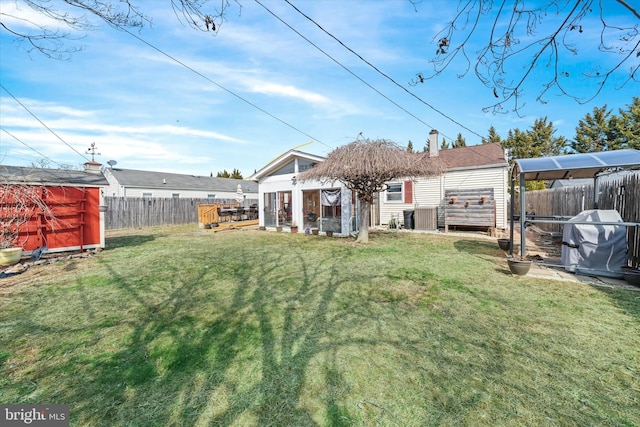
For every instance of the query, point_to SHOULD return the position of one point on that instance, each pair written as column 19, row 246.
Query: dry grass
column 171, row 326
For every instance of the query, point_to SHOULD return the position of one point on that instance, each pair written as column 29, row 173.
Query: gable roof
column 482, row 155
column 41, row 176
column 282, row 160
column 150, row 179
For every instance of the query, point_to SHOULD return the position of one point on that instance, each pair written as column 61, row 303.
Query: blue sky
column 258, row 89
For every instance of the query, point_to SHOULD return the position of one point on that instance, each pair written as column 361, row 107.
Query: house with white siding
column 129, row 183
column 285, row 201
column 473, row 190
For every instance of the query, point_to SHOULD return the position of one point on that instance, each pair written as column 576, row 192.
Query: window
column 175, row 195
column 394, row 192
column 211, row 196
column 147, row 195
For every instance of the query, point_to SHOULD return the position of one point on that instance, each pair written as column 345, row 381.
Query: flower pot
column 519, row 267
column 294, row 229
column 10, row 256
column 314, row 231
column 329, row 233
column 278, row 228
column 504, row 244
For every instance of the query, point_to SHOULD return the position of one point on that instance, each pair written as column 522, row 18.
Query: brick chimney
column 93, row 167
column 433, row 143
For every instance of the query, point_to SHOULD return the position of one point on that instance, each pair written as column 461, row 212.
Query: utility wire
column 344, row 67
column 157, row 49
column 42, row 123
column 380, row 72
column 26, row 145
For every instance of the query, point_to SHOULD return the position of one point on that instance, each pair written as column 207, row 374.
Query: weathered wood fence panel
column 622, row 195
column 470, row 207
column 148, row 212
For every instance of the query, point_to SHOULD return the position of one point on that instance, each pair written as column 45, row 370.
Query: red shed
column 72, row 197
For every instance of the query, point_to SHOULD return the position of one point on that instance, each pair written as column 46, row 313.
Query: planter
column 504, row 244
column 10, row 256
column 278, row 228
column 294, row 229
column 329, row 233
column 519, row 267
column 631, row 275
column 314, row 231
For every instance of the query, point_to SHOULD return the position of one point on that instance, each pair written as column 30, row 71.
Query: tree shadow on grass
column 176, row 364
column 127, row 241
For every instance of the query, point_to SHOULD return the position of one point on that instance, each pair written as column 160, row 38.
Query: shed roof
column 42, row 176
column 150, row 179
column 583, row 165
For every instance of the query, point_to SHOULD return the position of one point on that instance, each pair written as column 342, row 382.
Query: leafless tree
column 19, row 204
column 366, row 167
column 70, row 20
column 526, row 37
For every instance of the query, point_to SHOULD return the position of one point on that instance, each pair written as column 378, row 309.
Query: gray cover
column 595, row 249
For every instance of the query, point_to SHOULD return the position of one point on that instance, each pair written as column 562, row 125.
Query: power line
column 29, row 147
column 224, row 88
column 42, row 123
column 380, row 72
column 344, row 67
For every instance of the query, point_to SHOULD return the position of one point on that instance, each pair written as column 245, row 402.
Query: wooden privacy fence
column 141, row 212
column 621, row 195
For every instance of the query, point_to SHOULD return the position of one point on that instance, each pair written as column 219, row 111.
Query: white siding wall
column 430, row 191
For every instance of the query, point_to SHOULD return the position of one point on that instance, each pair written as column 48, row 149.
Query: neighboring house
column 147, row 184
column 581, row 182
column 476, row 175
column 284, row 200
column 74, row 197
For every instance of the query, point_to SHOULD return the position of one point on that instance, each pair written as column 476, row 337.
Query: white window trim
column 386, row 195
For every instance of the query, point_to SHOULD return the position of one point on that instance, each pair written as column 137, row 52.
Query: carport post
column 512, row 212
column 522, row 216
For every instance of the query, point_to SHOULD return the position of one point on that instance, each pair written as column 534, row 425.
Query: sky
column 170, row 98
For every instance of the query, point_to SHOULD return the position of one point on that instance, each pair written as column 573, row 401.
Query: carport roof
column 583, row 165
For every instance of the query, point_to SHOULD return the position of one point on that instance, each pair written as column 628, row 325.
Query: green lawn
column 176, row 327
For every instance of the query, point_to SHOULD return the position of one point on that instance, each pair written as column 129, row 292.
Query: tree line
column 600, row 130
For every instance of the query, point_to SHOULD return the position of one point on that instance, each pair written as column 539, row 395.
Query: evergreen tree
column 539, row 141
column 223, row 174
column 459, row 142
column 492, row 137
column 410, row 147
column 444, row 145
column 625, row 129
column 594, row 132
column 235, row 174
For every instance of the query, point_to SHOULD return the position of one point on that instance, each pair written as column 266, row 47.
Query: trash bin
column 408, row 219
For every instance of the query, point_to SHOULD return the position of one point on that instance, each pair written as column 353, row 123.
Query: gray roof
column 149, row 179
column 41, row 176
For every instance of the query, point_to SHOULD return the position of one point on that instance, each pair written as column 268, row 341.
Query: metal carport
column 584, row 165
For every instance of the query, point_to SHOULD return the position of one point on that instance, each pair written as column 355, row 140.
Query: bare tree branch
column 524, row 40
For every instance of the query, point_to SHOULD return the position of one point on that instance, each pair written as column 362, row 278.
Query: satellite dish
column 111, row 162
